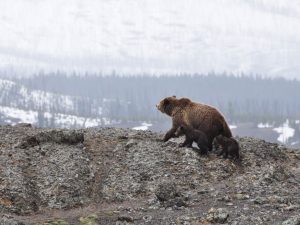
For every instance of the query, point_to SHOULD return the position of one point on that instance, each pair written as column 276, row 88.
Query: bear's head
column 219, row 139
column 167, row 105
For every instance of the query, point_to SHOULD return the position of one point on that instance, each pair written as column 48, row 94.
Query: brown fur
column 229, row 146
column 196, row 115
column 192, row 135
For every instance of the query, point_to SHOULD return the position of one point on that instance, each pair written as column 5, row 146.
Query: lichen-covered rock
column 124, row 220
column 168, row 194
column 9, row 220
column 292, row 221
column 166, row 191
column 217, row 215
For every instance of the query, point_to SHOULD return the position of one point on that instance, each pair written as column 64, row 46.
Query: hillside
column 123, row 176
column 245, row 36
column 17, row 95
column 19, row 103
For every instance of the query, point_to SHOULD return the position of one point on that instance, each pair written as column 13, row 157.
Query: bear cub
column 192, row 135
column 229, row 146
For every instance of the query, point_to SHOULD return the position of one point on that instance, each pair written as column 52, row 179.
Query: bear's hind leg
column 236, row 153
column 210, row 145
column 226, row 153
column 221, row 152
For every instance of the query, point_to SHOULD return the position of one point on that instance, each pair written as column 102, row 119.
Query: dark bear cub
column 192, row 135
column 229, row 146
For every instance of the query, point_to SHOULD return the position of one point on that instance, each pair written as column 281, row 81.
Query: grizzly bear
column 196, row 115
column 229, row 147
column 192, row 135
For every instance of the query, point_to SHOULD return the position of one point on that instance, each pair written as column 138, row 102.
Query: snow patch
column 232, row 126
column 69, row 121
column 264, row 125
column 144, row 126
column 106, row 121
column 297, row 121
column 6, row 84
column 22, row 115
column 285, row 132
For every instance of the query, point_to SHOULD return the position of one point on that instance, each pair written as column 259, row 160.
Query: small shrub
column 56, row 222
column 89, row 220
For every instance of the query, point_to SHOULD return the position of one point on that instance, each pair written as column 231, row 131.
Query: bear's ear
column 184, row 102
column 174, row 96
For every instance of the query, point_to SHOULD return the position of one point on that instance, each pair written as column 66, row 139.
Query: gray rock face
column 124, row 176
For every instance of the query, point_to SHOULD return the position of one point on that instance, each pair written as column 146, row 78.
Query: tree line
column 133, row 98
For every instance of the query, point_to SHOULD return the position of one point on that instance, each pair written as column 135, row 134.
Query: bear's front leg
column 187, row 143
column 170, row 134
column 203, row 149
column 221, row 152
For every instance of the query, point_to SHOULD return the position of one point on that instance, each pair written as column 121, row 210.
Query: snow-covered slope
column 251, row 36
column 20, row 104
column 16, row 95
column 12, row 116
column 19, row 96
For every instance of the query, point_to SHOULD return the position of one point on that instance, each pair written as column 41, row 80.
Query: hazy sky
column 151, row 36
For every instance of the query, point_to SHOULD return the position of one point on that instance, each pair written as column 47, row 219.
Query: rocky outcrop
column 123, row 176
column 43, row 169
